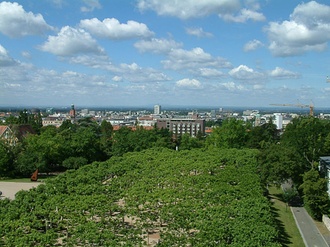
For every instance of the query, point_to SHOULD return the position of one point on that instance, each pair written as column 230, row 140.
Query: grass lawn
column 289, row 235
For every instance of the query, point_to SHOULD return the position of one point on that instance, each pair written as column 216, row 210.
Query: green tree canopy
column 232, row 134
column 315, row 197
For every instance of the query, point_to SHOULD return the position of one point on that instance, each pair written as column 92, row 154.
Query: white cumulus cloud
column 253, row 45
column 16, row 22
column 111, row 28
column 198, row 32
column 70, row 41
column 244, row 16
column 232, row 86
column 189, row 83
column 5, row 59
column 91, row 5
column 193, row 59
column 158, row 46
column 280, row 73
column 243, row 72
column 308, row 29
column 189, row 8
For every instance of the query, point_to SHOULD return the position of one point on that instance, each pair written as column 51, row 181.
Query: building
column 7, row 135
column 278, row 121
column 72, row 112
column 15, row 133
column 52, row 121
column 146, row 121
column 157, row 109
column 180, row 126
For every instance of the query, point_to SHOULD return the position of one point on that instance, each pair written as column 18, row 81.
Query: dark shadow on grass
column 283, row 237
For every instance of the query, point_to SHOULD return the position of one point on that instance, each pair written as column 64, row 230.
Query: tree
column 40, row 151
column 278, row 163
column 11, row 120
column 307, row 136
column 232, row 134
column 263, row 136
column 188, row 142
column 66, row 125
column 315, row 196
column 6, row 159
column 23, row 117
column 121, row 142
column 106, row 137
column 74, row 162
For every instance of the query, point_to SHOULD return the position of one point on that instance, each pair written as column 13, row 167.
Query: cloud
column 189, row 83
column 196, row 58
column 117, row 78
column 70, row 41
column 15, row 22
column 5, row 59
column 112, row 29
column 91, row 5
column 26, row 54
column 53, row 87
column 198, row 32
column 157, row 46
column 134, row 73
column 189, row 8
column 232, row 86
column 243, row 16
column 243, row 72
column 209, row 73
column 57, row 3
column 253, row 45
column 307, row 30
column 279, row 73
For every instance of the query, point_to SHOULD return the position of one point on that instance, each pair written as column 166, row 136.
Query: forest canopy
column 188, row 198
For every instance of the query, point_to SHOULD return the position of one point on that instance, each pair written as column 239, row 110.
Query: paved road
column 9, row 189
column 308, row 230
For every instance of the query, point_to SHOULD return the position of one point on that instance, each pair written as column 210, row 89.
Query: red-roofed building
column 7, row 135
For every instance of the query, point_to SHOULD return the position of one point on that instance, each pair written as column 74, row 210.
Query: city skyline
column 146, row 52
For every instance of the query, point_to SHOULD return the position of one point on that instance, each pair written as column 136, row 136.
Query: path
column 308, row 230
column 9, row 189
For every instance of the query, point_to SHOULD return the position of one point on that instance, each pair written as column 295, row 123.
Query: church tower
column 72, row 112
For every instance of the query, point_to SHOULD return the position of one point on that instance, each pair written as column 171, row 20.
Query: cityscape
column 165, row 123
column 178, row 120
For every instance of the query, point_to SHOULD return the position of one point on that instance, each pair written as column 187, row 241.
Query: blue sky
column 184, row 53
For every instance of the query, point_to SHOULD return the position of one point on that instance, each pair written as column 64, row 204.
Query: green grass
column 289, row 233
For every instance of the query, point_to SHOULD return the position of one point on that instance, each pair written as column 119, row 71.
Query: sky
column 244, row 53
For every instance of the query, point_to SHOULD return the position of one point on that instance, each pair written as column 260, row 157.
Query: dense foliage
column 187, row 198
column 292, row 154
column 74, row 145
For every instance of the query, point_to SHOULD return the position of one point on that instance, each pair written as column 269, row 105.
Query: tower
column 157, row 109
column 278, row 120
column 72, row 112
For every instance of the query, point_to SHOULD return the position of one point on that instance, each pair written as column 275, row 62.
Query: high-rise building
column 278, row 120
column 157, row 109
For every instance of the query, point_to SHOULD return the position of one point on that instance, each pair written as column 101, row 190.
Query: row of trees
column 199, row 197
